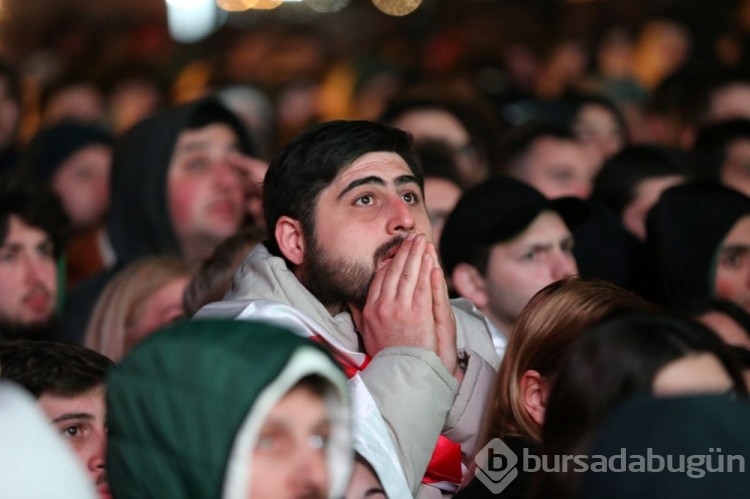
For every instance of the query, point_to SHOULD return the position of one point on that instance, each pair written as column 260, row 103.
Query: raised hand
column 407, row 304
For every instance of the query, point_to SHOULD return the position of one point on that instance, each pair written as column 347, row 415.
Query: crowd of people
column 204, row 303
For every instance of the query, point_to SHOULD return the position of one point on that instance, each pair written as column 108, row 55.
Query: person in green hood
column 228, row 410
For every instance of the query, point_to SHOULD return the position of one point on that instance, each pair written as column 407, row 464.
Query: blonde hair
column 124, row 296
column 542, row 334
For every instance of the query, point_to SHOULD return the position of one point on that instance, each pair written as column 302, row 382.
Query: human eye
column 273, row 443
column 197, row 164
column 567, row 246
column 8, row 255
column 364, row 200
column 410, row 197
column 732, row 258
column 530, row 256
column 73, row 431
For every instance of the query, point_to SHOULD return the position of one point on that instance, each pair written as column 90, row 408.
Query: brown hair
column 122, row 299
column 543, row 332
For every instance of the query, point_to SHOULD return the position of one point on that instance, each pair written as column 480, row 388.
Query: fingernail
column 411, row 236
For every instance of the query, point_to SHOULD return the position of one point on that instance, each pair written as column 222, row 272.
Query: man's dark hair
column 47, row 367
column 33, row 203
column 617, row 182
column 310, row 163
column 712, row 144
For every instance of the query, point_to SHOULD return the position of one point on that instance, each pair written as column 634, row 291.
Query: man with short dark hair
column 32, row 225
column 68, row 383
column 505, row 241
column 351, row 263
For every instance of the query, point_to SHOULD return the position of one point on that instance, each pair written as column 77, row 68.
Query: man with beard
column 68, row 383
column 31, row 231
column 351, row 263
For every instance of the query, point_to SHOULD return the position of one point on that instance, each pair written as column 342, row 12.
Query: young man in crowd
column 351, row 262
column 176, row 188
column 505, row 241
column 68, row 383
column 230, row 410
column 32, row 225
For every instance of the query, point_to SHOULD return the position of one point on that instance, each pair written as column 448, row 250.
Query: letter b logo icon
column 496, row 466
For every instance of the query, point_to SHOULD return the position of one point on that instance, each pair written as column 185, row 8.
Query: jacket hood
column 185, row 407
column 139, row 222
column 684, row 232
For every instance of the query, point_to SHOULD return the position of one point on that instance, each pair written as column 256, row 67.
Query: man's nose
column 400, row 217
column 564, row 265
column 311, row 473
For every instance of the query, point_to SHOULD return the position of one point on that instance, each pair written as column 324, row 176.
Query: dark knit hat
column 496, row 211
column 50, row 147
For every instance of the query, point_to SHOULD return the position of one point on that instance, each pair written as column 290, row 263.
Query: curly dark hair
column 35, row 204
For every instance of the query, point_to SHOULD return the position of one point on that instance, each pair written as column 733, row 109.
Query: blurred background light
column 190, row 21
column 397, row 7
column 326, row 6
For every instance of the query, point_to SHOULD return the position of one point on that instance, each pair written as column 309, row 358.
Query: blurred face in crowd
column 440, row 197
column 156, row 311
column 80, row 419
column 438, row 124
column 206, row 199
column 518, row 268
column 735, row 171
column 289, row 458
column 82, row 184
column 647, row 193
column 732, row 101
column 733, row 269
column 28, row 276
column 599, row 131
column 693, row 374
column 558, row 168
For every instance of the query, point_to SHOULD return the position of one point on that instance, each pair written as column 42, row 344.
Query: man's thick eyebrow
column 192, row 145
column 736, row 247
column 73, row 415
column 406, row 179
column 372, row 179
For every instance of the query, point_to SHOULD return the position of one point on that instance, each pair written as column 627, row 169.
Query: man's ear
column 290, row 239
column 470, row 284
column 534, row 392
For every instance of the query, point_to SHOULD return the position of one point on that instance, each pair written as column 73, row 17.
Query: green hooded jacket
column 185, row 406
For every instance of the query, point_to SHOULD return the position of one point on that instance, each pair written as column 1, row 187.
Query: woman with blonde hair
column 544, row 331
column 144, row 296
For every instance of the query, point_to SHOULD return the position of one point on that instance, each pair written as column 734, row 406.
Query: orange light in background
column 397, row 7
column 266, row 4
column 236, row 5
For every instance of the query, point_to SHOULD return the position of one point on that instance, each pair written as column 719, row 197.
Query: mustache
column 387, row 247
